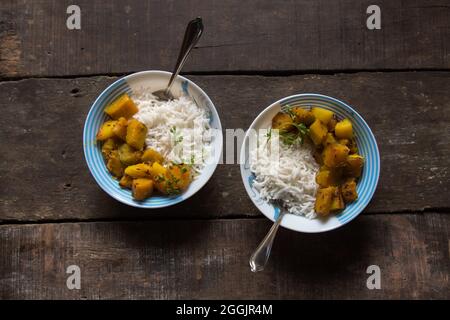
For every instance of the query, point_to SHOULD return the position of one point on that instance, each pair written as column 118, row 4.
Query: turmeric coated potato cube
column 324, row 198
column 354, row 165
column 141, row 170
column 337, row 203
column 172, row 180
column 120, row 129
column 159, row 176
column 327, row 177
column 158, row 170
column 324, row 178
column 128, row 155
column 108, row 146
column 180, row 175
column 303, row 116
column 317, row 132
column 349, row 192
column 344, row 129
column 323, row 115
column 329, row 139
column 335, row 155
column 126, row 182
column 150, row 155
column 114, row 165
column 142, row 188
column 106, row 130
column 345, row 142
column 283, row 122
column 332, row 124
column 136, row 133
column 122, row 107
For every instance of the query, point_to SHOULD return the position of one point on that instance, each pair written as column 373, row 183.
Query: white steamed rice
column 291, row 180
column 178, row 129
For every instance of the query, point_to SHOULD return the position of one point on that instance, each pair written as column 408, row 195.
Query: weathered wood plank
column 126, row 36
column 209, row 259
column 44, row 175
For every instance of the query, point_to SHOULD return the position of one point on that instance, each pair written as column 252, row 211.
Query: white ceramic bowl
column 151, row 80
column 367, row 146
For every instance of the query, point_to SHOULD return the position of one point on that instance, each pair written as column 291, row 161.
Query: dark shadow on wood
column 322, row 258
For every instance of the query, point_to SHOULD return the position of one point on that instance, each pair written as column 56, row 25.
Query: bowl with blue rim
column 367, row 147
column 152, row 81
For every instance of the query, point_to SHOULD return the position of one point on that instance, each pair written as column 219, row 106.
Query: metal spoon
column 259, row 258
column 192, row 34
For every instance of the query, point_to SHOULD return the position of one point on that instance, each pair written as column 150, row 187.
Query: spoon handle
column 259, row 258
column 192, row 34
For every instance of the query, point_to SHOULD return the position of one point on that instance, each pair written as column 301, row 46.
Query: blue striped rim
column 94, row 157
column 366, row 142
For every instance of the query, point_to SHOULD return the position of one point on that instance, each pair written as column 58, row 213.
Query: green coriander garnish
column 296, row 135
column 177, row 137
column 269, row 134
column 288, row 110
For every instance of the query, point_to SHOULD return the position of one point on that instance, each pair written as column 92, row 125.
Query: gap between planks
column 439, row 211
column 264, row 73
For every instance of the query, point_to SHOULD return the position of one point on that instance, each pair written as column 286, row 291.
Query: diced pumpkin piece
column 332, row 124
column 354, row 165
column 180, row 175
column 136, row 133
column 106, row 130
column 120, row 129
column 150, row 155
column 128, row 155
column 160, row 184
column 141, row 170
column 283, row 122
column 329, row 139
column 337, row 203
column 172, row 180
column 158, row 170
column 159, row 176
column 328, row 176
column 317, row 132
column 324, row 198
column 126, row 182
column 303, row 116
column 114, row 165
column 349, row 192
column 345, row 142
column 344, row 129
column 323, row 115
column 324, row 178
column 335, row 155
column 107, row 147
column 122, row 107
column 175, row 180
column 142, row 188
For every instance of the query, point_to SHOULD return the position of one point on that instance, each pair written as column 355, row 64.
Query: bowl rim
column 179, row 198
column 351, row 109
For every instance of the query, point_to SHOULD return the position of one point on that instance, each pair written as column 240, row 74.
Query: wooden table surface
column 53, row 214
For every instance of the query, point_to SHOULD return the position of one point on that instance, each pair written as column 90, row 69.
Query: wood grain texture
column 44, row 175
column 209, row 259
column 245, row 36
